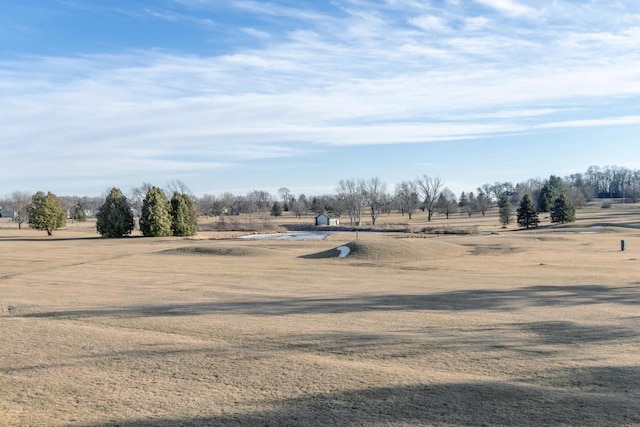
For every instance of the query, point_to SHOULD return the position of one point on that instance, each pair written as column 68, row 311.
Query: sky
column 236, row 95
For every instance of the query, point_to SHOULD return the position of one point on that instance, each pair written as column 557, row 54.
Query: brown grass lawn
column 510, row 328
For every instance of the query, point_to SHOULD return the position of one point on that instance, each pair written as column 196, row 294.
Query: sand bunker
column 344, row 251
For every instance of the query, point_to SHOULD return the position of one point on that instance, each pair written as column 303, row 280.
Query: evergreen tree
column 464, row 201
column 505, row 210
column 155, row 219
column 115, row 217
column 527, row 215
column 551, row 189
column 184, row 218
column 562, row 210
column 78, row 213
column 276, row 209
column 46, row 213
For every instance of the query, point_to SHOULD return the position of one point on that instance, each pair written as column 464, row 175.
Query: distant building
column 7, row 212
column 327, row 219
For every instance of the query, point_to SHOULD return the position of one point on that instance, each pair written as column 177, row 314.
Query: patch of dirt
column 237, row 251
column 7, row 309
column 494, row 249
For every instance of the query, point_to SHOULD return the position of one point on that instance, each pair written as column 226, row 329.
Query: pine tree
column 562, row 210
column 155, row 219
column 506, row 210
column 184, row 217
column 115, row 217
column 551, row 189
column 46, row 213
column 464, row 201
column 276, row 209
column 527, row 215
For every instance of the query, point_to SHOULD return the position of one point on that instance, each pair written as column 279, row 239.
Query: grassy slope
column 534, row 327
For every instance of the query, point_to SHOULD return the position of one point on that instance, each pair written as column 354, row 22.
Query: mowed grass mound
column 394, row 250
column 230, row 251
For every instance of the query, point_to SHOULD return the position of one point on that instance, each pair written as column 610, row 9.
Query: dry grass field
column 499, row 327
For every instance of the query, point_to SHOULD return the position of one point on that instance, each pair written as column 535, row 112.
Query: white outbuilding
column 327, row 219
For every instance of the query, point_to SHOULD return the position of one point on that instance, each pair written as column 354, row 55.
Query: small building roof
column 327, row 214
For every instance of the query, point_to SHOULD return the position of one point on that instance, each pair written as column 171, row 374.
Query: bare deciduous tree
column 430, row 188
column 262, row 199
column 299, row 207
column 136, row 197
column 447, row 202
column 20, row 202
column 375, row 192
column 472, row 204
column 285, row 195
column 483, row 202
column 177, row 186
column 351, row 192
column 407, row 197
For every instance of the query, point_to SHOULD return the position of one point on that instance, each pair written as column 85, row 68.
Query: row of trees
column 608, row 182
column 561, row 211
column 115, row 217
column 159, row 216
column 356, row 198
column 359, row 197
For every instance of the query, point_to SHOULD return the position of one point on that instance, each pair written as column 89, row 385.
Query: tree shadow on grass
column 567, row 333
column 497, row 300
column 464, row 404
column 53, row 238
column 504, row 340
column 621, row 380
column 544, row 340
column 633, row 224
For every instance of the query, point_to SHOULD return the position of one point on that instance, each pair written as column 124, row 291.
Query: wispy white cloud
column 358, row 76
column 474, row 23
column 171, row 16
column 274, row 9
column 430, row 23
column 509, row 7
column 256, row 33
column 605, row 121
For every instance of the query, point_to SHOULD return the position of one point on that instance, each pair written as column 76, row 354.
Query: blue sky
column 234, row 95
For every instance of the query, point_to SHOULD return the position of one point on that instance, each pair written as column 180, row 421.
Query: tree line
column 354, row 198
column 115, row 217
